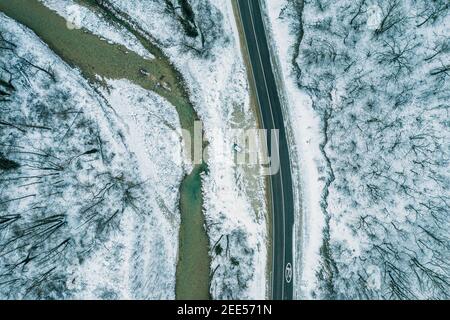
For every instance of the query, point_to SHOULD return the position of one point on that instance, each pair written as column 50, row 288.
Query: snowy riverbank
column 99, row 216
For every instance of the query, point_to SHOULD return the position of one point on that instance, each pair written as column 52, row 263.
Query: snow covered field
column 89, row 195
column 377, row 74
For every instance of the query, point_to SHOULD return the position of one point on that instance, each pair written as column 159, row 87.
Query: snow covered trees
column 63, row 187
column 378, row 74
column 201, row 23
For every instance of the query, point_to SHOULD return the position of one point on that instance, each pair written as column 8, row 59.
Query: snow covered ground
column 89, row 182
column 141, row 262
column 213, row 69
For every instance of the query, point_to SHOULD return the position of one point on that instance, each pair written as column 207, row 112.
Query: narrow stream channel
column 94, row 56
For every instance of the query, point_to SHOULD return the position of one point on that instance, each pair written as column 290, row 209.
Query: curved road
column 272, row 118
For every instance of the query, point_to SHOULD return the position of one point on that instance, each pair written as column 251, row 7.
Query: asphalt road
column 272, row 118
